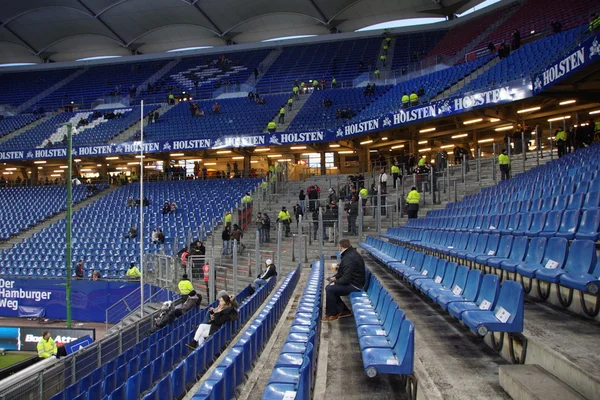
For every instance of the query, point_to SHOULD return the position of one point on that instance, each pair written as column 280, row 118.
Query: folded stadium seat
column 554, row 257
column 485, row 300
column 569, row 224
column 421, row 266
column 435, row 288
column 506, row 316
column 517, row 253
column 398, row 360
column 589, row 226
column 585, row 282
column 480, row 248
column 580, row 260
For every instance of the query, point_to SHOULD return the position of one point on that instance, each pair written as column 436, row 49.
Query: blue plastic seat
column 485, row 300
column 569, row 224
column 554, row 256
column 580, row 260
column 585, row 282
column 506, row 316
column 398, row 361
column 552, row 224
column 461, row 292
column 537, row 224
column 589, row 225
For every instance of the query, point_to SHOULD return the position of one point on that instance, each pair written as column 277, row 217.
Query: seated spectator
column 414, row 99
column 271, row 126
column 173, row 207
column 192, row 299
column 270, row 271
column 327, row 102
column 216, row 108
column 133, row 272
column 367, row 90
column 132, row 232
column 154, row 236
column 161, row 237
column 96, row 275
column 166, row 208
column 146, row 202
column 217, row 317
column 250, row 96
column 130, row 202
column 491, row 47
column 262, row 100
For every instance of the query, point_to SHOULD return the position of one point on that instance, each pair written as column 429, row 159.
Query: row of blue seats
column 570, row 224
column 480, row 303
column 550, row 260
column 294, row 371
column 185, row 374
column 386, row 338
column 229, row 374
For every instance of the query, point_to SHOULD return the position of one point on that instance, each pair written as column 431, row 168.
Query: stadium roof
column 66, row 30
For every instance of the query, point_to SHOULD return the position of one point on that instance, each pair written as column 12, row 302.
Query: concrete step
column 532, row 382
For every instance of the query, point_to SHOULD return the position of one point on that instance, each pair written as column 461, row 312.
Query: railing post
column 300, row 246
column 279, row 231
column 378, row 213
column 360, row 218
column 479, row 166
column 340, row 215
column 494, row 176
column 257, row 253
column 211, row 281
column 235, row 266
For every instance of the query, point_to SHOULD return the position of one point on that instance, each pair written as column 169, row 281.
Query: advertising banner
column 90, row 299
column 27, row 338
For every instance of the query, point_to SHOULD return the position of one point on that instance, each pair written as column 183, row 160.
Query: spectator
column 155, row 116
column 226, row 236
column 173, row 207
column 228, row 219
column 79, row 272
column 282, row 114
column 349, row 278
column 332, row 197
column 251, row 96
column 412, row 201
column 383, row 187
column 504, row 163
column 236, row 237
column 285, row 218
column 46, row 347
column 225, row 312
column 516, row 40
column 421, row 91
column 561, row 141
column 405, row 100
column 216, row 108
column 313, row 196
column 266, row 227
column 290, row 103
column 146, row 202
column 161, row 237
column 396, row 173
column 373, row 198
column 556, row 26
column 297, row 213
column 262, row 100
column 133, row 272
column 352, row 210
column 301, row 199
column 269, row 272
column 185, row 287
column 333, row 83
column 96, row 275
column 271, row 126
column 491, row 47
column 193, row 299
column 414, row 99
column 132, row 232
column 130, row 202
column 166, row 208
column 154, row 236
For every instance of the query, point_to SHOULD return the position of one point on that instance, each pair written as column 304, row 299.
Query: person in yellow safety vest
column 247, row 199
column 133, row 272
column 504, row 163
column 405, row 100
column 421, row 162
column 185, row 286
column 414, row 99
column 561, row 141
column 597, row 128
column 282, row 114
column 594, row 22
column 171, row 98
column 264, row 186
column 295, row 90
column 302, row 87
column 382, row 59
column 315, row 84
column 388, row 39
column 385, row 48
column 333, row 83
column 46, row 347
column 271, row 126
column 376, row 73
column 364, row 194
column 228, row 219
column 396, row 174
column 413, row 200
column 290, row 102
column 285, row 218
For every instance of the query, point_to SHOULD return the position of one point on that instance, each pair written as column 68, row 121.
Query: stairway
column 290, row 115
column 26, row 128
column 461, row 83
column 54, row 219
column 135, row 128
column 50, row 90
column 158, row 74
column 264, row 66
column 386, row 71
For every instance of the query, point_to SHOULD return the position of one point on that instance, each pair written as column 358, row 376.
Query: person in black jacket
column 349, row 278
column 217, row 317
column 266, row 274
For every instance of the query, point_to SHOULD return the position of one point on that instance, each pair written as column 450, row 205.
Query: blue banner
column 511, row 91
column 89, row 299
column 582, row 56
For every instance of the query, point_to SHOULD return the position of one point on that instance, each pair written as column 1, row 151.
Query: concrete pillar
column 323, row 169
column 34, row 174
column 363, row 160
column 247, row 165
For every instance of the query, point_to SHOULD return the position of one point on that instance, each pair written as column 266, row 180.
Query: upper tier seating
column 207, row 71
column 98, row 82
column 18, row 87
column 27, row 206
column 99, row 228
column 319, row 61
column 412, row 47
column 237, row 116
column 11, row 124
column 314, row 115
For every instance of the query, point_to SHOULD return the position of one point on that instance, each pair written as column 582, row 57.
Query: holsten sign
column 582, row 56
column 510, row 92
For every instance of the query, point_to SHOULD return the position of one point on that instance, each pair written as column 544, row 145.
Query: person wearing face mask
column 216, row 317
column 349, row 278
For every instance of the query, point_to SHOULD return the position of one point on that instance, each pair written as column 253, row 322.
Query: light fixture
column 40, row 167
column 526, row 110
column 140, row 156
column 559, row 118
column 263, row 149
column 112, row 158
column 177, row 154
column 55, row 175
column 423, row 142
column 237, row 158
column 63, row 167
column 473, row 121
column 275, row 155
column 223, row 151
column 504, row 128
column 595, row 112
column 148, row 167
column 372, row 151
column 399, row 146
column 39, row 162
column 254, row 162
column 564, row 103
column 446, row 146
column 59, row 171
column 98, row 165
column 284, row 160
column 460, row 136
column 427, row 130
column 424, row 150
column 77, row 160
column 210, row 163
column 334, row 145
column 366, row 142
column 532, row 32
column 485, row 140
column 11, row 169
column 494, row 119
column 311, row 154
column 121, row 168
column 346, row 152
column 298, row 147
column 133, row 163
column 384, row 138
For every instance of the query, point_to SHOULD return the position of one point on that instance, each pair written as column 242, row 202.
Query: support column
column 34, row 174
column 246, row 167
column 363, row 160
column 323, row 169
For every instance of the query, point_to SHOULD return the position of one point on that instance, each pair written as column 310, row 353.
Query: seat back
column 582, row 257
column 488, row 292
column 552, row 221
column 556, row 251
column 505, row 246
column 394, row 331
column 525, row 221
column 438, row 277
column 519, row 248
column 535, row 251
column 592, row 200
column 590, row 222
column 460, row 280
column 560, row 202
column 539, row 219
column 472, row 243
column 511, row 300
column 575, row 201
column 569, row 221
column 405, row 347
column 449, row 274
column 481, row 243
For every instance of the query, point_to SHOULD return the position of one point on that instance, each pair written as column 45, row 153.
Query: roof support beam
column 97, row 17
column 27, row 45
column 201, row 11
column 323, row 17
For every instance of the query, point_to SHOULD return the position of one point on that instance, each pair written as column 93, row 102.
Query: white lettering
column 191, row 144
column 94, row 150
column 244, row 141
column 302, row 137
column 11, row 155
column 568, row 64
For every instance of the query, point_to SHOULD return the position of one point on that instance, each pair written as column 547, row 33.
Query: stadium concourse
column 483, row 125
